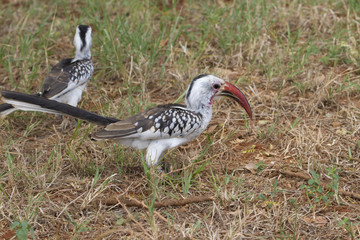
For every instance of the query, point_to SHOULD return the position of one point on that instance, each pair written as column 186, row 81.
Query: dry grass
column 298, row 65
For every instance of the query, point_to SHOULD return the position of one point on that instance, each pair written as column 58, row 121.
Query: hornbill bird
column 156, row 129
column 68, row 78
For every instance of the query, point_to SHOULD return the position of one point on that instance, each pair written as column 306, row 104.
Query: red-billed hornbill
column 156, row 129
column 68, row 78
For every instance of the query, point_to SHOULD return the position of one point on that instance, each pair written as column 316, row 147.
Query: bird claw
column 162, row 168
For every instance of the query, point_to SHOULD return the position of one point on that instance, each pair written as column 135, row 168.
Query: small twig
column 143, row 205
column 307, row 177
column 199, row 162
column 185, row 201
column 166, row 203
column 132, row 217
column 67, row 205
column 355, row 159
column 295, row 174
column 129, row 201
column 159, row 215
column 115, row 230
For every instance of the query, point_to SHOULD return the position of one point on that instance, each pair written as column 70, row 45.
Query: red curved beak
column 235, row 93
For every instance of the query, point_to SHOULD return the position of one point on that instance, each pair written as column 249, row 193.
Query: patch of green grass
column 348, row 226
column 78, row 228
column 315, row 191
column 23, row 229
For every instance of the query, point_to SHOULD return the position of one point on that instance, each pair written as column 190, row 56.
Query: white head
column 202, row 90
column 82, row 42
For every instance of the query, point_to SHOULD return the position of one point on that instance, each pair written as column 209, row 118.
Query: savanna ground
column 292, row 172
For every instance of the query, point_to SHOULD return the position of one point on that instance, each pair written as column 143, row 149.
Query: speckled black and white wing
column 66, row 76
column 67, row 79
column 164, row 121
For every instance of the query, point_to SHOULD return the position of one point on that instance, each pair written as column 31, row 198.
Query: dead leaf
column 336, row 124
column 262, row 122
column 251, row 167
column 317, row 220
column 269, row 154
column 341, row 131
column 237, row 141
column 211, row 128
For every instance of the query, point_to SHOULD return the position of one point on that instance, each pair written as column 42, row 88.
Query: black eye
column 216, row 86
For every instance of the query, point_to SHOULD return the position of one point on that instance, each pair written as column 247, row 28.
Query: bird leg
column 154, row 153
column 67, row 123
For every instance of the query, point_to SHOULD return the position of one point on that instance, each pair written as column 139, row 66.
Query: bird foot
column 161, row 168
column 67, row 123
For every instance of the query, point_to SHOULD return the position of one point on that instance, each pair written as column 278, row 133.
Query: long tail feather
column 6, row 109
column 28, row 102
